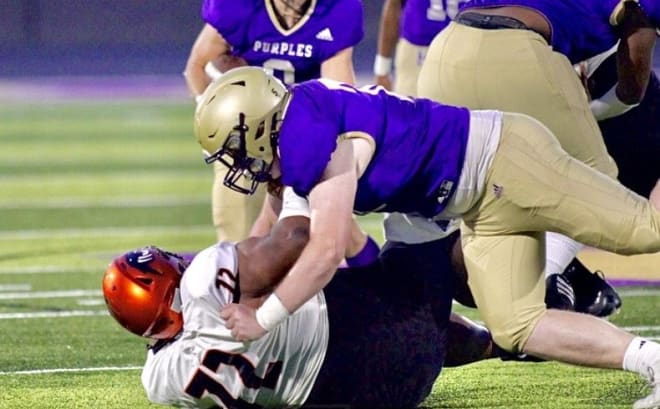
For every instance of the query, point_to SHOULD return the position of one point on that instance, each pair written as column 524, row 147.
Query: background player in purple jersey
column 402, row 301
column 410, row 25
column 504, row 174
column 495, row 55
column 296, row 40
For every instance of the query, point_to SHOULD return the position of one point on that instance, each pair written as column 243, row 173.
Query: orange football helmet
column 141, row 290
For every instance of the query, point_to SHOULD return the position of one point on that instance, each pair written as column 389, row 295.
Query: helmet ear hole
column 145, row 280
column 260, row 130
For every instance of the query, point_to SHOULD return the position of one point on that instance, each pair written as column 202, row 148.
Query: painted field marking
column 15, row 287
column 49, row 234
column 52, row 314
column 65, row 370
column 91, row 302
column 44, row 270
column 639, row 292
column 83, row 203
column 50, row 294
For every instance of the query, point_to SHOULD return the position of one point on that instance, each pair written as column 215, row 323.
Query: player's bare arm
column 267, row 216
column 388, row 34
column 331, row 204
column 263, row 261
column 339, row 67
column 208, row 46
column 634, row 55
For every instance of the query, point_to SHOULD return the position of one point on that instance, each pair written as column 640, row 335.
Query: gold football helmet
column 141, row 291
column 237, row 123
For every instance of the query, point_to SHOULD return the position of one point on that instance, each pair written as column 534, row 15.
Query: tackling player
column 419, row 22
column 516, row 56
column 504, row 174
column 352, row 344
column 296, row 40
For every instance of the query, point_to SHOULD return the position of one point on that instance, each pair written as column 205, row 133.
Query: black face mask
column 241, row 167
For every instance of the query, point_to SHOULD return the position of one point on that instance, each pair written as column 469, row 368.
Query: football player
column 419, row 22
column 632, row 138
column 296, row 40
column 351, row 344
column 504, row 174
column 409, row 26
column 516, row 56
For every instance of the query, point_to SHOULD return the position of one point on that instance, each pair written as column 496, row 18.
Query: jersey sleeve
column 347, row 25
column 307, row 139
column 228, row 18
column 352, row 26
column 212, row 276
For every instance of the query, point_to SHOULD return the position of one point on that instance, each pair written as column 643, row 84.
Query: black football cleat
column 559, row 293
column 593, row 295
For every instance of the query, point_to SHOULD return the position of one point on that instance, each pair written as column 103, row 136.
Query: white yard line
column 44, row 270
column 65, row 370
column 639, row 292
column 82, row 203
column 51, row 314
column 15, row 287
column 50, row 294
column 104, row 231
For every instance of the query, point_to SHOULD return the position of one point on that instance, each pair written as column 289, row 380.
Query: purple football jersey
column 295, row 54
column 419, row 145
column 421, row 20
column 580, row 29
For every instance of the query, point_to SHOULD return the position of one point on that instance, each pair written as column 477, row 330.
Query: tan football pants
column 234, row 213
column 407, row 63
column 514, row 71
column 534, row 186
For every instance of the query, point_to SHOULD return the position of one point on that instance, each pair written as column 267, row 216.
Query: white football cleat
column 652, row 401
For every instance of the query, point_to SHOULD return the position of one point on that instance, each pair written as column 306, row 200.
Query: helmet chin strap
column 242, row 128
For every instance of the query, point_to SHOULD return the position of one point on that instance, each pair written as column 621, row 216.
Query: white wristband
column 271, row 313
column 293, row 205
column 382, row 65
column 212, row 71
column 199, row 98
column 609, row 105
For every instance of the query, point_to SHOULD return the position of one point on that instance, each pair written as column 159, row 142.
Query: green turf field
column 82, row 182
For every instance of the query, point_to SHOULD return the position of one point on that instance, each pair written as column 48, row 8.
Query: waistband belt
column 492, row 22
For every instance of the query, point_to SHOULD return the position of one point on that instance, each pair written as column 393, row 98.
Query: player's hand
column 242, row 321
column 384, row 81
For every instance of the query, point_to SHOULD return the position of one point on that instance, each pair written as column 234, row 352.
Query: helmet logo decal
column 141, row 260
column 145, row 256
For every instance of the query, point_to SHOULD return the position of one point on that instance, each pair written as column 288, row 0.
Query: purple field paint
column 50, row 89
column 634, row 283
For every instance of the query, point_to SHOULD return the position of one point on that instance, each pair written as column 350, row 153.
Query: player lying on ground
column 504, row 174
column 375, row 337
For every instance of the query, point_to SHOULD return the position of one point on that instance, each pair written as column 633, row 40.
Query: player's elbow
column 297, row 238
column 330, row 252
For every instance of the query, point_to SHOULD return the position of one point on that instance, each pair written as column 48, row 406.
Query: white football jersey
column 206, row 367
